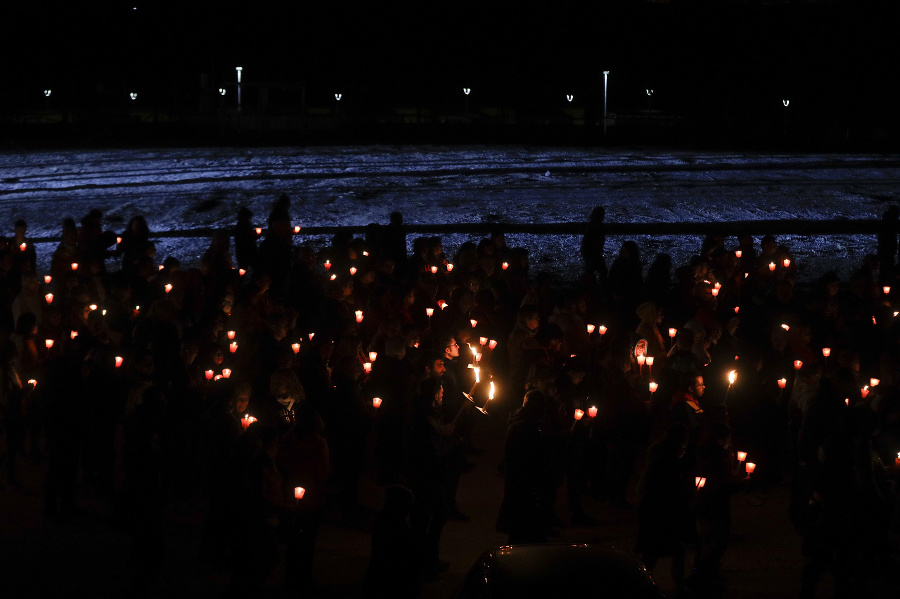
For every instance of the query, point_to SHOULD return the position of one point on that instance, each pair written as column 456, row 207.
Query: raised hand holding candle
column 732, row 376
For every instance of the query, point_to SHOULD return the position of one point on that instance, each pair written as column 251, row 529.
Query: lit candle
column 365, row 253
column 826, row 351
column 32, row 382
column 672, row 333
column 798, row 364
column 49, row 298
column 298, row 493
column 864, row 392
column 231, row 335
column 771, row 267
column 359, row 316
column 737, row 309
column 47, row 279
column 477, row 374
column 641, row 359
column 732, row 376
column 590, row 329
column 226, row 373
column 311, row 335
column 442, row 304
column 242, row 271
column 874, row 382
column 650, row 360
column 483, row 341
column 367, row 366
column 785, row 327
column 296, row 229
column 168, row 287
column 491, row 391
column 332, row 277
column 579, row 414
column 160, row 267
column 434, row 270
column 73, row 334
column 449, row 267
column 258, row 231
column 741, row 455
column 653, row 387
column 750, row 468
column 429, row 312
column 208, row 374
column 74, row 266
column 786, row 262
column 295, row 347
column 352, row 270
column 738, row 253
column 232, row 347
column 715, row 292
column 247, row 420
column 478, row 356
column 48, row 343
column 886, row 289
column 896, row 460
column 474, row 322
column 118, row 240
column 592, row 411
column 782, row 383
column 372, row 356
column 699, row 482
column 492, row 344
column 376, row 402
column 602, row 329
column 505, row 265
column 23, row 246
column 327, row 265
column 847, row 401
column 119, row 361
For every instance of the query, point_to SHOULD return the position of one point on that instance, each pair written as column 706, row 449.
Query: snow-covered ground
column 190, row 188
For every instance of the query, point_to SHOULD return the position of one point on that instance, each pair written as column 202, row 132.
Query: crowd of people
column 264, row 382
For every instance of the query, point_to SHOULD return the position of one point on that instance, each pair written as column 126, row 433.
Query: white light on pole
column 570, row 97
column 338, row 97
column 605, row 77
column 47, row 92
column 133, row 95
column 221, row 91
column 467, row 90
column 649, row 100
column 239, row 70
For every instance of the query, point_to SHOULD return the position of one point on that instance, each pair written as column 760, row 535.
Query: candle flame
column 782, row 383
column 732, row 376
column 653, row 386
column 491, row 392
column 579, row 414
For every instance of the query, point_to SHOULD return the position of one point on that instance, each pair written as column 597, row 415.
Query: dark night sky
column 697, row 55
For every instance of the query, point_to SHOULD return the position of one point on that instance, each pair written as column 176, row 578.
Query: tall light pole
column 239, row 70
column 649, row 100
column 605, row 76
column 786, row 103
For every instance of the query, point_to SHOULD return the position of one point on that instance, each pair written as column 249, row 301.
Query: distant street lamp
column 47, row 92
column 467, row 91
column 239, row 70
column 649, row 100
column 133, row 96
column 338, row 97
column 570, row 97
column 221, row 91
column 605, row 76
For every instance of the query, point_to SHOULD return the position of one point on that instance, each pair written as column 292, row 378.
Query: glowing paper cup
column 295, row 347
column 741, row 456
column 579, row 414
column 592, row 411
column 750, row 467
column 376, row 402
column 119, row 361
column 299, row 492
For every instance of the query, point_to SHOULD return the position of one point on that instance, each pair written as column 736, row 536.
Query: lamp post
column 605, row 77
column 47, row 93
column 649, row 100
column 133, row 96
column 239, row 70
column 467, row 91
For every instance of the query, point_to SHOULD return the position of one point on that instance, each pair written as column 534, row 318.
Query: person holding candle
column 304, row 459
column 648, row 329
